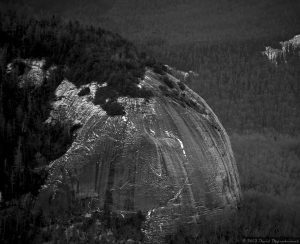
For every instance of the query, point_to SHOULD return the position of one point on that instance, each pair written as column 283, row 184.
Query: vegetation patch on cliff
column 85, row 53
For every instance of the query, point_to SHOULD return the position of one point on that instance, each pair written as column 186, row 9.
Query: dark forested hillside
column 181, row 21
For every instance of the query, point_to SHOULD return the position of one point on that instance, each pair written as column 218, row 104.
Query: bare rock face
column 289, row 49
column 172, row 161
column 29, row 71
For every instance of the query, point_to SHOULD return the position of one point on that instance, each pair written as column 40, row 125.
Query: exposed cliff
column 168, row 156
column 289, row 49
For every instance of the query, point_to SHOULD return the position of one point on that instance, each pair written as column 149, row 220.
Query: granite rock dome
column 168, row 156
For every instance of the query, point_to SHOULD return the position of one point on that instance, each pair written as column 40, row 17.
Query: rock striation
column 171, row 160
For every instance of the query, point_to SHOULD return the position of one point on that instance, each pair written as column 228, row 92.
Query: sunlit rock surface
column 289, row 49
column 172, row 161
column 30, row 71
column 187, row 77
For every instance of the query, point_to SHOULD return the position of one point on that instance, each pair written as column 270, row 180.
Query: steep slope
column 172, row 161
